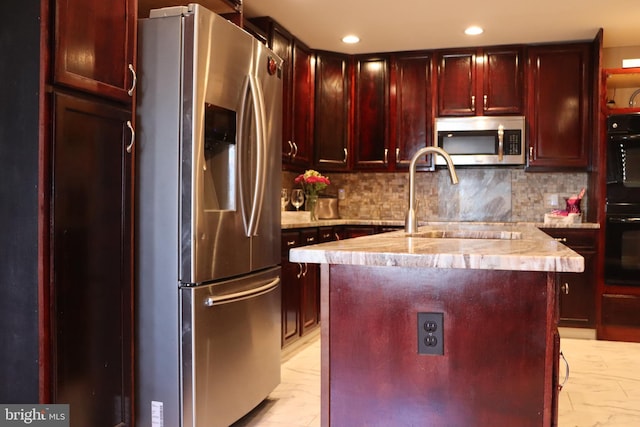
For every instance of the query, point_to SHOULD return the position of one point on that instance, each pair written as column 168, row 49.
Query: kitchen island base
column 500, row 345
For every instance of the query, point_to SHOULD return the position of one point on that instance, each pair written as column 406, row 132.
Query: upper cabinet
column 622, row 86
column 371, row 106
column 98, row 62
column 559, row 105
column 331, row 124
column 411, row 114
column 297, row 93
column 483, row 81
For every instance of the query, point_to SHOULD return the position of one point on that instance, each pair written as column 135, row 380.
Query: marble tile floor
column 603, row 387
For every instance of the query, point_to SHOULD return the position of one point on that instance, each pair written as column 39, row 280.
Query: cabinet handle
column 386, row 156
column 473, row 102
column 291, row 242
column 560, row 239
column 531, row 152
column 310, row 239
column 485, row 102
column 133, row 136
column 326, row 235
column 397, row 154
column 133, row 82
column 299, row 275
column 500, row 142
column 295, row 150
column 565, row 288
column 337, row 236
column 306, row 266
column 346, row 156
column 566, row 371
column 290, row 153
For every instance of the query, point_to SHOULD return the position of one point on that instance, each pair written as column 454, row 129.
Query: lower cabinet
column 300, row 287
column 577, row 290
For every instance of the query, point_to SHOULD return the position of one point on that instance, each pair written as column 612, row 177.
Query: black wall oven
column 622, row 232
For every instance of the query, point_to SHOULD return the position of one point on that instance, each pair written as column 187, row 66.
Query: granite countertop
column 484, row 246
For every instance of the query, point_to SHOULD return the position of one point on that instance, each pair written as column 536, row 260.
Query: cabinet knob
column 565, row 288
column 560, row 239
column 310, row 239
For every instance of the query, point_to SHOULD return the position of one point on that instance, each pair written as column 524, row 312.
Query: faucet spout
column 411, row 220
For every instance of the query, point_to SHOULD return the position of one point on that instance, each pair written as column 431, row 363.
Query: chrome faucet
column 411, row 220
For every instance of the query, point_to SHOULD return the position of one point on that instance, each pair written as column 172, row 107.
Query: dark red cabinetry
column 485, row 81
column 91, row 261
column 332, row 104
column 578, row 290
column 371, row 107
column 559, row 103
column 411, row 108
column 95, row 47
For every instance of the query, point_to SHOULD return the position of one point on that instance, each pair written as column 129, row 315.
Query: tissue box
column 572, row 218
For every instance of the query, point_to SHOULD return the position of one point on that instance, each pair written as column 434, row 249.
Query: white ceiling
column 391, row 25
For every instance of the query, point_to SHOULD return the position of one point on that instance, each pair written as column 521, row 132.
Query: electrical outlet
column 551, row 200
column 431, row 333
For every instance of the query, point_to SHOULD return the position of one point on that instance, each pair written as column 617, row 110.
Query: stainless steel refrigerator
column 208, row 220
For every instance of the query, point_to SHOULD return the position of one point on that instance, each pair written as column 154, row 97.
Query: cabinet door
column 331, row 127
column 370, row 142
column 291, row 272
column 577, row 294
column 95, row 46
column 502, row 81
column 413, row 116
column 302, row 105
column 310, row 298
column 558, row 108
column 457, row 83
column 281, row 43
column 91, row 261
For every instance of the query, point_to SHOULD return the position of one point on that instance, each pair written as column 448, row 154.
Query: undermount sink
column 467, row 234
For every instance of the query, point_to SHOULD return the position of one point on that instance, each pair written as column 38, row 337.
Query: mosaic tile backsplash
column 488, row 194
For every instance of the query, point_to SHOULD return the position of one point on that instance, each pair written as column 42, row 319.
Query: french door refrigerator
column 208, row 220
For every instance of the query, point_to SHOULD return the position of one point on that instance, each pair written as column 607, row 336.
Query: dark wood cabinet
column 578, row 290
column 411, row 113
column 371, row 106
column 297, row 92
column 95, row 45
column 300, row 287
column 332, row 104
column 91, row 261
column 484, row 81
column 559, row 103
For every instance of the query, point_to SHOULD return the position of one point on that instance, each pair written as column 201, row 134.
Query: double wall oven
column 622, row 232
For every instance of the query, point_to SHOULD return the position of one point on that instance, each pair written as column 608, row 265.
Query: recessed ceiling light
column 473, row 31
column 351, row 39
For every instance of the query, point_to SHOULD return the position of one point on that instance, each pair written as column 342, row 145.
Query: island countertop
column 484, row 246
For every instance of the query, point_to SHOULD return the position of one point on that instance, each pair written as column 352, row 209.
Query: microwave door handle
column 500, row 142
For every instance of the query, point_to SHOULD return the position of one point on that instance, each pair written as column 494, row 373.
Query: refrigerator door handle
column 252, row 87
column 238, row 296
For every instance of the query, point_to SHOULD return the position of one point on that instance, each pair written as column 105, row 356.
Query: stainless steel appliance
column 622, row 228
column 481, row 140
column 208, row 220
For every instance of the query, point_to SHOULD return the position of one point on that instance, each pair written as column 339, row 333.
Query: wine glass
column 284, row 198
column 297, row 198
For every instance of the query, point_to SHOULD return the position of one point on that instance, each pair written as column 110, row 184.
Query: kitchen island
column 490, row 358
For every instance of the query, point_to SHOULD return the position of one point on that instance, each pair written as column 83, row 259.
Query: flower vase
column 310, row 205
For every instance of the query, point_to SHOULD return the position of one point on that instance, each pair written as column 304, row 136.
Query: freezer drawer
column 230, row 347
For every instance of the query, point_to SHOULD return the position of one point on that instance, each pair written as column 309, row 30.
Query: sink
column 467, row 234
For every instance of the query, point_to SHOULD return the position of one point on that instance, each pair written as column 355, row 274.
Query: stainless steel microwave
column 481, row 140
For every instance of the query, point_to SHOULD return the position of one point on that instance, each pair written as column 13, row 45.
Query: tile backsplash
column 487, row 194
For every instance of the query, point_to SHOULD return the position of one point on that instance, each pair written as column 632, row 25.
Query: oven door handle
column 623, row 220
